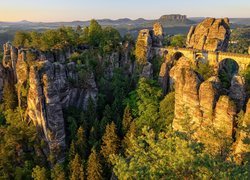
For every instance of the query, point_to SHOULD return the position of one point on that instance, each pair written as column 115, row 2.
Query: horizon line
column 98, row 19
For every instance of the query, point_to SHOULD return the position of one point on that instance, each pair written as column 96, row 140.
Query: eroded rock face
column 158, row 35
column 225, row 112
column 209, row 93
column 201, row 107
column 48, row 94
column 45, row 110
column 47, row 80
column 148, row 39
column 147, row 70
column 237, row 91
column 144, row 43
column 187, row 84
column 210, row 35
column 242, row 145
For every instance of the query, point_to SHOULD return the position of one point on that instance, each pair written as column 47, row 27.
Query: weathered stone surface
column 187, row 84
column 225, row 112
column 164, row 77
column 47, row 78
column 9, row 56
column 237, row 91
column 147, row 70
column 146, row 40
column 200, row 107
column 210, row 35
column 208, row 95
column 144, row 44
column 45, row 110
column 158, row 35
column 242, row 145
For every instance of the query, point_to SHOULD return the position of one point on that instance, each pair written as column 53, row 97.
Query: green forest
column 127, row 134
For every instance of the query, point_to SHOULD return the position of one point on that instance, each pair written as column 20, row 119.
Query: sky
column 70, row 10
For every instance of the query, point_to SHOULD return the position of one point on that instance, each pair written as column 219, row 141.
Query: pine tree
column 39, row 173
column 58, row 173
column 110, row 141
column 107, row 118
column 76, row 168
column 72, row 151
column 90, row 113
column 9, row 97
column 131, row 133
column 127, row 119
column 81, row 142
column 94, row 169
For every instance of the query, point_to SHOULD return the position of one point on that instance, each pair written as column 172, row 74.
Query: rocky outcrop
column 210, row 35
column 237, row 91
column 158, row 35
column 45, row 85
column 187, row 83
column 225, row 113
column 147, row 70
column 204, row 110
column 209, row 93
column 242, row 144
column 146, row 40
column 49, row 93
column 143, row 46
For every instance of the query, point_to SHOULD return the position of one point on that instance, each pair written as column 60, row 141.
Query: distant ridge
column 166, row 20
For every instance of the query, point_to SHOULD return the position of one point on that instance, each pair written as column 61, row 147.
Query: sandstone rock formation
column 242, row 145
column 187, row 84
column 46, row 83
column 203, row 108
column 209, row 93
column 210, row 35
column 237, row 91
column 147, row 70
column 143, row 46
column 158, row 35
column 47, row 80
column 146, row 40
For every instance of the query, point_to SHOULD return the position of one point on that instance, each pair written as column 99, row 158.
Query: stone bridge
column 214, row 58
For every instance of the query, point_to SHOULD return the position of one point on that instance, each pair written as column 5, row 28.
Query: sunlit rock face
column 158, row 35
column 187, row 84
column 46, row 83
column 204, row 110
column 47, row 79
column 237, row 91
column 147, row 39
column 242, row 145
column 210, row 35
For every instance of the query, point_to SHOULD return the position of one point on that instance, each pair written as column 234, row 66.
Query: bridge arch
column 227, row 69
column 200, row 57
column 177, row 55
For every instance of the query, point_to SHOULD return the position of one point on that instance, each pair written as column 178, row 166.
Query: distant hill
column 166, row 20
column 173, row 24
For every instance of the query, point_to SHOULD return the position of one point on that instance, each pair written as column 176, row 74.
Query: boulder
column 210, row 35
